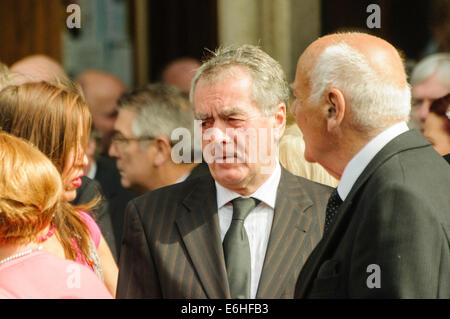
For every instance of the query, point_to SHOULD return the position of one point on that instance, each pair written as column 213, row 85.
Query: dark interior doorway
column 179, row 28
column 403, row 23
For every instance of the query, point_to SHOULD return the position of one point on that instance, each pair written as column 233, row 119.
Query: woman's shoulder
column 43, row 275
column 95, row 231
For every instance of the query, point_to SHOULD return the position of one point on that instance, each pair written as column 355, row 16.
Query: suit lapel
column 289, row 230
column 199, row 229
column 328, row 244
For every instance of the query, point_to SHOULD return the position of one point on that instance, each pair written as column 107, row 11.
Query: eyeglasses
column 118, row 138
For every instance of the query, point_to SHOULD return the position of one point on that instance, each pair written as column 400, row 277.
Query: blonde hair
column 50, row 117
column 30, row 190
column 291, row 155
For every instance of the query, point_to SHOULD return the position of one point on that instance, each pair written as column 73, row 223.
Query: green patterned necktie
column 237, row 249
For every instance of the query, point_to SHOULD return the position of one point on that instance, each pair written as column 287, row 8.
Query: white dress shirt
column 360, row 161
column 93, row 170
column 182, row 178
column 257, row 224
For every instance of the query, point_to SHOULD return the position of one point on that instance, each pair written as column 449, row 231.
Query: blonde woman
column 57, row 122
column 291, row 155
column 30, row 194
column 5, row 76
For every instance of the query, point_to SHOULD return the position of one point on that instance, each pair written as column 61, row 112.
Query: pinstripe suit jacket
column 172, row 246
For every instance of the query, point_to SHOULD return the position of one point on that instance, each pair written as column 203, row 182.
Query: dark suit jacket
column 172, row 246
column 201, row 169
column 117, row 197
column 396, row 217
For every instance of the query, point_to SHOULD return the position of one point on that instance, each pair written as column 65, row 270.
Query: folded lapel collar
column 407, row 140
column 289, row 229
column 199, row 228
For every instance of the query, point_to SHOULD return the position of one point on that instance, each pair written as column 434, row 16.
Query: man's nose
column 112, row 151
column 424, row 109
column 218, row 133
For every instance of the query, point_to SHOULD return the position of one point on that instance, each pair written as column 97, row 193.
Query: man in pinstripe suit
column 172, row 246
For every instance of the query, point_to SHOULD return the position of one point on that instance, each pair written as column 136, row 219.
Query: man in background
column 102, row 92
column 180, row 73
column 430, row 80
column 142, row 142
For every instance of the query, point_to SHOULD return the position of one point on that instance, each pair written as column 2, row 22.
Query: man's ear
column 280, row 120
column 336, row 109
column 163, row 150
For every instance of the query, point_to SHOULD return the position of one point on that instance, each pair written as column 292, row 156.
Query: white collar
column 183, row 178
column 359, row 162
column 266, row 193
column 93, row 170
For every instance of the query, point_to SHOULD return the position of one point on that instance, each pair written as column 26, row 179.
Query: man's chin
column 228, row 174
column 125, row 183
column 69, row 195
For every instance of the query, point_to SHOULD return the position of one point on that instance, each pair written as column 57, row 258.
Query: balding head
column 380, row 56
column 180, row 73
column 102, row 91
column 349, row 87
column 37, row 68
column 366, row 69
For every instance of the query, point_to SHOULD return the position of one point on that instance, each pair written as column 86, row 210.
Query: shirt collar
column 359, row 162
column 266, row 193
column 93, row 170
column 183, row 178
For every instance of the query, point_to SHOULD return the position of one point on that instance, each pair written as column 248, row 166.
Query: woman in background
column 291, row 155
column 57, row 121
column 30, row 194
column 437, row 126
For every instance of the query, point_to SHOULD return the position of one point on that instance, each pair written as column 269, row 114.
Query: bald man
column 102, row 91
column 37, row 68
column 387, row 225
column 180, row 73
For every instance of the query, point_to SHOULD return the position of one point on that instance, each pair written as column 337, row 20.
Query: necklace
column 48, row 235
column 23, row 253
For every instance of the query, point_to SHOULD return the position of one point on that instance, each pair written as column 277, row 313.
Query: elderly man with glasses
column 142, row 142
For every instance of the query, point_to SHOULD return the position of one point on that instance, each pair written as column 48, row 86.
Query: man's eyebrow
column 116, row 132
column 232, row 111
column 201, row 116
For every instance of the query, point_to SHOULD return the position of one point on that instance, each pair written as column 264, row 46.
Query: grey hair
column 5, row 76
column 159, row 110
column 371, row 100
column 269, row 81
column 439, row 62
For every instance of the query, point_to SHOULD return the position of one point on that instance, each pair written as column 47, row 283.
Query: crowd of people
column 283, row 190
